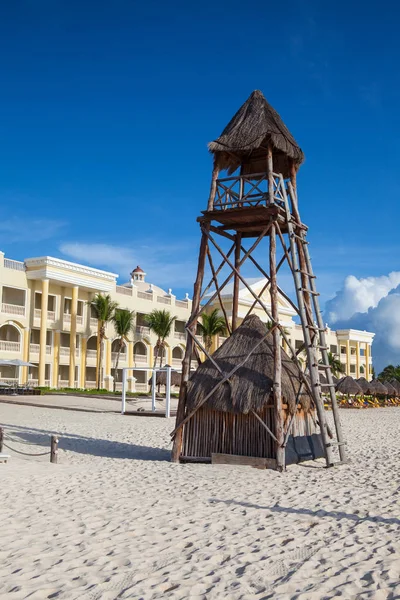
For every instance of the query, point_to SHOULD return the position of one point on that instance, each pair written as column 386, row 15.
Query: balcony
column 122, row 357
column 6, row 346
column 13, row 309
column 126, row 291
column 164, row 299
column 51, row 315
column 93, row 322
column 140, row 359
column 91, row 353
column 35, row 349
column 177, row 363
column 65, row 351
column 145, row 295
column 182, row 303
column 142, row 330
column 179, row 335
column 67, row 320
column 16, row 265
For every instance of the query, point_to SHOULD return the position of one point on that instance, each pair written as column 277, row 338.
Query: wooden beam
column 236, row 282
column 180, row 413
column 210, row 260
column 213, row 187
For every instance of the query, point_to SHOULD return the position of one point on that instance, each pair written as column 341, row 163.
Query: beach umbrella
column 348, row 386
column 363, row 383
column 396, row 384
column 376, row 387
column 391, row 390
column 161, row 378
column 15, row 362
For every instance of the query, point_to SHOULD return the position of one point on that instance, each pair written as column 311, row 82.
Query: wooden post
column 180, row 414
column 213, row 187
column 54, row 449
column 236, row 282
column 1, row 439
column 279, row 432
column 270, row 176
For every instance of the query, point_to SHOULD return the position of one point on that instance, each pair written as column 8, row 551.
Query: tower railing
column 243, row 191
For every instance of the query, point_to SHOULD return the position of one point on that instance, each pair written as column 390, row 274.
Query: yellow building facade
column 46, row 319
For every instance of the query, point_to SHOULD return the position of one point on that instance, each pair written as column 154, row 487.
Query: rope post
column 54, row 449
column 1, row 439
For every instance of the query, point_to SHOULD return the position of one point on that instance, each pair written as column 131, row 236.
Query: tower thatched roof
column 348, row 385
column 251, row 385
column 245, row 139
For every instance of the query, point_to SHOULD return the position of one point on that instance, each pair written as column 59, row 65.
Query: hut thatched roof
column 396, row 384
column 245, row 139
column 161, row 378
column 376, row 387
column 363, row 383
column 250, row 386
column 391, row 390
column 348, row 385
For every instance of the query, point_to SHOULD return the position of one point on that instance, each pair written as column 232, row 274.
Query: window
column 362, row 370
column 352, row 351
column 352, row 368
column 333, row 348
column 362, row 352
column 342, row 349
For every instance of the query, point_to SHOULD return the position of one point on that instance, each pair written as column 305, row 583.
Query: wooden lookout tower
column 254, row 206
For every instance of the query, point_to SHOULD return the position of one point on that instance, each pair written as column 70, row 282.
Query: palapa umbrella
column 161, row 378
column 348, row 386
column 396, row 384
column 363, row 383
column 376, row 387
column 391, row 390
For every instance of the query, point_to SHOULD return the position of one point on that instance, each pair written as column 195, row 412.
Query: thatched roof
column 363, row 383
column 376, row 387
column 348, row 385
column 161, row 378
column 250, row 386
column 246, row 137
column 391, row 390
column 396, row 384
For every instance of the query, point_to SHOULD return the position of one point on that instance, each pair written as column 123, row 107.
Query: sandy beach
column 115, row 519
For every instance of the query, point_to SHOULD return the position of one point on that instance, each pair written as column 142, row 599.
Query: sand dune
column 114, row 519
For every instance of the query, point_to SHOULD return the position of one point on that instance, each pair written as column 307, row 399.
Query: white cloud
column 359, row 295
column 19, row 229
column 168, row 265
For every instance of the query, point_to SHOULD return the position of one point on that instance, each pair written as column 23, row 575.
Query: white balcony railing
column 178, row 335
column 140, row 359
column 142, row 329
column 91, row 353
column 145, row 295
column 163, row 300
column 124, row 290
column 181, row 303
column 6, row 346
column 122, row 356
column 35, row 349
column 16, row 265
column 93, row 322
column 12, row 309
column 51, row 315
column 65, row 351
column 177, row 362
column 141, row 387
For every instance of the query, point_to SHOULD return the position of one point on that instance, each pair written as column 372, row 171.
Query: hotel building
column 46, row 320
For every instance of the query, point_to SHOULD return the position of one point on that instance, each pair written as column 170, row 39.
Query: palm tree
column 334, row 362
column 389, row 372
column 212, row 324
column 123, row 325
column 104, row 308
column 160, row 322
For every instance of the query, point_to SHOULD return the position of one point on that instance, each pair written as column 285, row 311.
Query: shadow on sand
column 333, row 514
column 82, row 444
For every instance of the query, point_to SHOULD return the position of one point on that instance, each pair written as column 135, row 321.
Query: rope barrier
column 26, row 453
column 53, row 446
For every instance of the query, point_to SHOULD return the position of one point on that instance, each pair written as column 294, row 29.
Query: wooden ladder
column 313, row 328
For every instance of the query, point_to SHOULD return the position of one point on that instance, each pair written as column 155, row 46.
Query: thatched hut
column 391, row 390
column 244, row 140
column 348, row 386
column 363, row 383
column 396, row 384
column 376, row 387
column 161, row 378
column 231, row 420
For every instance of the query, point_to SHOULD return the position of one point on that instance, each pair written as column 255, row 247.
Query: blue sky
column 107, row 108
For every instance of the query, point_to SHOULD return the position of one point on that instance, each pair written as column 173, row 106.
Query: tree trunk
column 161, row 359
column 116, row 365
column 99, row 378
